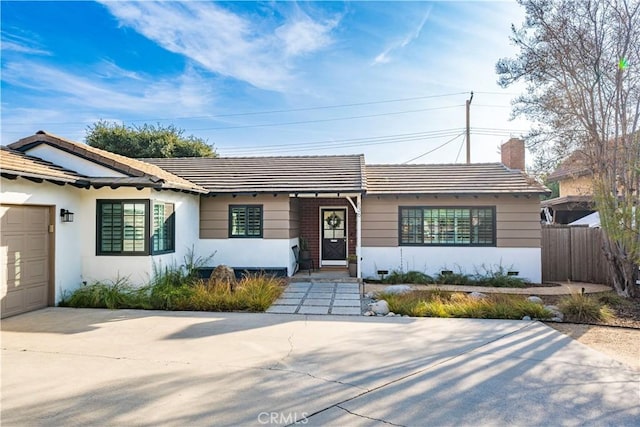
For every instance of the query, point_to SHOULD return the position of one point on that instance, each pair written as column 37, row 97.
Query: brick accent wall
column 310, row 223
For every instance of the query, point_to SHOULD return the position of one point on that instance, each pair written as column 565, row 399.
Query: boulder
column 224, row 275
column 526, row 318
column 535, row 299
column 555, row 311
column 391, row 314
column 477, row 295
column 397, row 289
column 379, row 307
column 369, row 313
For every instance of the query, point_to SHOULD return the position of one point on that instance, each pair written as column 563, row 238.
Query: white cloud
column 227, row 43
column 15, row 43
column 385, row 56
column 305, row 35
column 65, row 102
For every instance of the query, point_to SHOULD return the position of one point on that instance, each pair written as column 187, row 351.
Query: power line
column 437, row 148
column 255, row 113
column 328, row 120
column 460, row 150
column 439, row 132
column 301, row 147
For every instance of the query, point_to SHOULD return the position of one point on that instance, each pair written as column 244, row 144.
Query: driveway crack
column 293, row 371
column 370, row 418
column 99, row 356
column 419, row 371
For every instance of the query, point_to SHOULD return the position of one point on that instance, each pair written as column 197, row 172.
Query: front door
column 334, row 236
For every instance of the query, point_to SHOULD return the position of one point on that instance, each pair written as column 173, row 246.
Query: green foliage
column 167, row 292
column 454, row 279
column 498, row 277
column 584, row 308
column 414, row 277
column 116, row 294
column 146, row 141
column 612, row 299
column 456, row 304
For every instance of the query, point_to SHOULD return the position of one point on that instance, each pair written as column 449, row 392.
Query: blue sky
column 387, row 79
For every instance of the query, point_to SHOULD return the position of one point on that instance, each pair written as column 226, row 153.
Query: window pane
column 163, row 228
column 121, row 227
column 245, row 221
column 447, row 226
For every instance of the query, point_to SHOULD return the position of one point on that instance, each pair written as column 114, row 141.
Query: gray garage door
column 24, row 258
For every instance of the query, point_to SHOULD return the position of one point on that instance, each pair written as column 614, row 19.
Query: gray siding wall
column 517, row 218
column 214, row 215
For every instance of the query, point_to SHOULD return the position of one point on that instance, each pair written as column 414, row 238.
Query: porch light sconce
column 66, row 215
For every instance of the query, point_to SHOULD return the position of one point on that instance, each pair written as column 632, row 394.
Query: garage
column 25, row 258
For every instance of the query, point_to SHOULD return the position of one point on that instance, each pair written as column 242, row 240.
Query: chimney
column 513, row 154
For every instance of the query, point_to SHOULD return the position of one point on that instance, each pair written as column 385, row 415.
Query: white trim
column 335, row 263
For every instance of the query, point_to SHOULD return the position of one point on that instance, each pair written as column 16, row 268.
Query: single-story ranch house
column 71, row 213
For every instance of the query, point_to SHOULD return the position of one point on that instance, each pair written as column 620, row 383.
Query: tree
column 580, row 61
column 146, row 141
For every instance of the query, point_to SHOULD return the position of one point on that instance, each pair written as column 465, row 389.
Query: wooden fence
column 573, row 253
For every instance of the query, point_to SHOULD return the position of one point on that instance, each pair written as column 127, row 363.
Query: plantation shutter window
column 447, row 226
column 245, row 221
column 163, row 238
column 122, row 227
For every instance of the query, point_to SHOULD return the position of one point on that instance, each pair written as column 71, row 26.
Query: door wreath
column 333, row 221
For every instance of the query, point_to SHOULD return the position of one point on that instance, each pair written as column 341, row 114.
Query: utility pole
column 469, row 129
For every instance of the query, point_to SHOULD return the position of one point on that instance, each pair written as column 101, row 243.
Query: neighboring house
column 131, row 216
column 575, row 198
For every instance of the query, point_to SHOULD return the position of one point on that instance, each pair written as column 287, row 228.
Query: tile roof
column 284, row 174
column 14, row 163
column 475, row 178
column 132, row 167
column 575, row 165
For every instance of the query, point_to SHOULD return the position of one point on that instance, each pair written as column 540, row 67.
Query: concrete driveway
column 98, row 367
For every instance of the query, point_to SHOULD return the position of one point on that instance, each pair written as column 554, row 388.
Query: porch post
column 357, row 207
column 359, row 234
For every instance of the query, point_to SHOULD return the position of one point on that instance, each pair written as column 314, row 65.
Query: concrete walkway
column 93, row 367
column 322, row 297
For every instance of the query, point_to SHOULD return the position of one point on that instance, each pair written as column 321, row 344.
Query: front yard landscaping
column 495, row 277
column 177, row 292
column 437, row 303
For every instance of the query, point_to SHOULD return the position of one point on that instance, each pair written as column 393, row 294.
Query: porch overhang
column 333, row 195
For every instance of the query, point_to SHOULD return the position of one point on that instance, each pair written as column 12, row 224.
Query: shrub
column 454, row 279
column 410, row 277
column 166, row 292
column 584, row 308
column 439, row 303
column 611, row 299
column 498, row 277
column 112, row 295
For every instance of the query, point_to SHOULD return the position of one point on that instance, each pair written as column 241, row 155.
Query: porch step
column 304, row 278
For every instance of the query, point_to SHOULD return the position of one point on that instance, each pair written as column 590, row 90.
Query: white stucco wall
column 267, row 253
column 75, row 256
column 139, row 269
column 68, row 236
column 72, row 162
column 435, row 259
